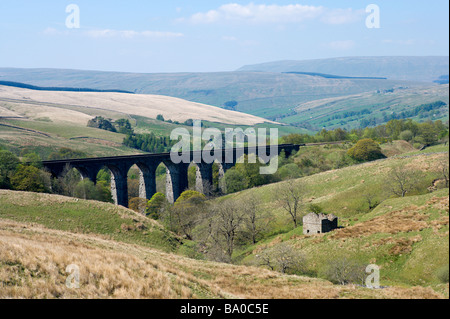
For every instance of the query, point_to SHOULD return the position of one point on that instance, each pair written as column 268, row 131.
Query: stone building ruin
column 319, row 223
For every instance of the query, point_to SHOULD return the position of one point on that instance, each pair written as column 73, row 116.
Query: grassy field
column 407, row 237
column 126, row 104
column 37, row 245
column 85, row 217
column 320, row 113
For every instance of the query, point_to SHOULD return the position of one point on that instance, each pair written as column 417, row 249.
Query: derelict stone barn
column 319, row 223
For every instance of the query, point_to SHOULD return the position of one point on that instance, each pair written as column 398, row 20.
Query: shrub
column 138, row 205
column 442, row 274
column 344, row 271
column 28, row 178
column 366, row 150
column 8, row 165
column 154, row 205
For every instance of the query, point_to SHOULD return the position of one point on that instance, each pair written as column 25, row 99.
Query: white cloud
column 259, row 14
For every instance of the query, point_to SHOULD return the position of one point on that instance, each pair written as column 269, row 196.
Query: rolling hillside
column 426, row 69
column 43, row 121
column 37, row 246
column 126, row 104
column 264, row 94
column 406, row 237
column 349, row 111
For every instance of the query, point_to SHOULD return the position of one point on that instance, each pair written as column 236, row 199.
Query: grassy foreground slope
column 34, row 260
column 407, row 237
column 342, row 191
column 85, row 217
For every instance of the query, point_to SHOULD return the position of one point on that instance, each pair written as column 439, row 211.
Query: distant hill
column 63, row 89
column 264, row 94
column 426, row 69
column 373, row 108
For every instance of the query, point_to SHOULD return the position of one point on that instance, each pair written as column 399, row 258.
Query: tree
column 406, row 135
column 188, row 211
column 314, row 208
column 86, row 189
column 124, row 126
column 66, row 153
column 155, row 205
column 402, row 181
column 8, row 165
column 28, row 178
column 32, row 159
column 366, row 150
column 345, row 271
column 443, row 167
column 290, row 197
column 228, row 222
column 234, row 181
column 67, row 182
column 101, row 123
column 255, row 221
column 138, row 205
column 160, row 117
column 283, row 258
column 289, row 171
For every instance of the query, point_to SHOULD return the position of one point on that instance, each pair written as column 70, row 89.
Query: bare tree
column 228, row 222
column 443, row 167
column 345, row 271
column 290, row 197
column 403, row 181
column 284, row 258
column 256, row 221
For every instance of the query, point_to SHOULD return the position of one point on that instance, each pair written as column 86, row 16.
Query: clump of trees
column 366, row 150
column 427, row 133
column 101, row 123
column 29, row 175
column 149, row 142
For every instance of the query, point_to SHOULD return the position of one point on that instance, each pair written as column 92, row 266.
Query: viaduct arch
column 177, row 173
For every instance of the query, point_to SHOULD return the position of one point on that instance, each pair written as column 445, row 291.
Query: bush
column 442, row 274
column 235, row 181
column 138, row 205
column 86, row 189
column 406, row 135
column 344, row 271
column 8, row 165
column 366, row 150
column 154, row 205
column 28, row 178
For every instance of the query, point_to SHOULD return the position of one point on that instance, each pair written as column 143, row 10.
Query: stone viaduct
column 177, row 173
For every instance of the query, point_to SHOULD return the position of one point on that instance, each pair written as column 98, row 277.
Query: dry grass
column 401, row 221
column 33, row 263
column 134, row 104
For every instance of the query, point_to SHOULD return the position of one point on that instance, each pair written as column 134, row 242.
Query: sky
column 213, row 36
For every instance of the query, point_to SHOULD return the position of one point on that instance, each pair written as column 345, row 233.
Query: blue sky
column 207, row 36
